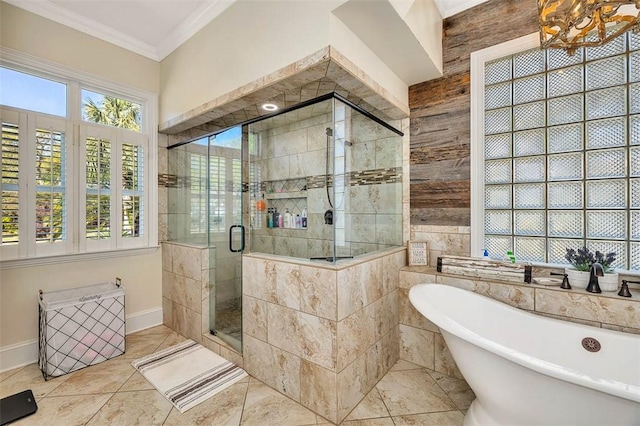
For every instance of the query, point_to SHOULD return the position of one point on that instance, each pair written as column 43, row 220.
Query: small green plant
column 582, row 259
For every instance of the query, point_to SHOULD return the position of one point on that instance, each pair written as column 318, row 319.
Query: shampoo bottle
column 287, row 219
column 280, row 221
column 303, row 219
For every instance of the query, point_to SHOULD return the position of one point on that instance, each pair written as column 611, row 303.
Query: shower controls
column 328, row 217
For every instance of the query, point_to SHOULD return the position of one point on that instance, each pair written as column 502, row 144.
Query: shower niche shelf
column 285, row 195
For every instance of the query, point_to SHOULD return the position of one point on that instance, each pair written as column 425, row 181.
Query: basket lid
column 80, row 294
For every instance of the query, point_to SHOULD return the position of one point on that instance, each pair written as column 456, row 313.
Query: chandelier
column 570, row 24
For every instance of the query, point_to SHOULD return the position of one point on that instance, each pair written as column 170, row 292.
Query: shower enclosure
column 319, row 181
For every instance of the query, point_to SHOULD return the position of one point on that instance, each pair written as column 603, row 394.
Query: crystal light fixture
column 570, row 24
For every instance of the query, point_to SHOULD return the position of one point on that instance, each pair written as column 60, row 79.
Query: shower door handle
column 231, row 249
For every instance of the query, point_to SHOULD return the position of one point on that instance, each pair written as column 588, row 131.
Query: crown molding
column 194, row 23
column 181, row 33
column 63, row 16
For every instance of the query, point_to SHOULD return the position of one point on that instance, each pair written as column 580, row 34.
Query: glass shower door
column 226, row 236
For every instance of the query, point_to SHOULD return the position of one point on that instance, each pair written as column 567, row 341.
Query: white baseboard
column 25, row 353
column 143, row 320
column 18, row 355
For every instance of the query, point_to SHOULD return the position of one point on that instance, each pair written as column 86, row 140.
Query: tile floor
column 113, row 393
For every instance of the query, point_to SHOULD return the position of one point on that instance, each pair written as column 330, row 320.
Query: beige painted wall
column 141, row 278
column 29, row 33
column 253, row 38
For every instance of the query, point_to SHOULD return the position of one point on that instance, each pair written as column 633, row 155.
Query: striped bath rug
column 188, row 373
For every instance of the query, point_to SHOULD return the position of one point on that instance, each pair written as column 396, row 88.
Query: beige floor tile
column 6, row 374
column 147, row 408
column 66, row 410
column 136, row 382
column 265, row 406
column 157, row 330
column 30, row 377
column 105, row 377
column 446, row 418
column 386, row 421
column 457, row 389
column 412, row 392
column 370, row 407
column 139, row 345
column 404, row 365
column 225, row 408
column 172, row 339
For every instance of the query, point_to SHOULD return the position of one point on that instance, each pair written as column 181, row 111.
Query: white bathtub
column 526, row 369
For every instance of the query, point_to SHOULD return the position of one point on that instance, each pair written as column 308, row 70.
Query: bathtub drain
column 591, row 344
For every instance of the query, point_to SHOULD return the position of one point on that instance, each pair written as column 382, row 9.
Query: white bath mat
column 188, row 373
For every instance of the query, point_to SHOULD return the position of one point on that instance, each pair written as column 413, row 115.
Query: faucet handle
column 624, row 289
column 565, row 280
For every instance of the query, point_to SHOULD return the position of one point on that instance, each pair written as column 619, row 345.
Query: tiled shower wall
column 322, row 335
column 367, row 203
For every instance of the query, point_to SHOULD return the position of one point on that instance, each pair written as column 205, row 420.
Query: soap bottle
column 303, row 219
column 270, row 218
column 280, row 221
column 298, row 221
column 287, row 219
column 509, row 257
column 275, row 218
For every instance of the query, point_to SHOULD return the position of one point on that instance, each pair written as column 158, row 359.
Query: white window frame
column 76, row 247
column 478, row 59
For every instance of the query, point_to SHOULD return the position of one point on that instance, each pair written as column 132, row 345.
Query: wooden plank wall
column 440, row 111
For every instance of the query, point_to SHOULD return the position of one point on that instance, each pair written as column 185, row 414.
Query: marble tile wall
column 421, row 341
column 443, row 240
column 321, row 334
column 185, row 274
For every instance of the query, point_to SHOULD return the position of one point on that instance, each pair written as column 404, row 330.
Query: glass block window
column 561, row 156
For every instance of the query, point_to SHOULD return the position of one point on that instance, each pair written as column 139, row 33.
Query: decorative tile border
column 358, row 178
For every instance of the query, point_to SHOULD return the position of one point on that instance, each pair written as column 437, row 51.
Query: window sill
column 78, row 257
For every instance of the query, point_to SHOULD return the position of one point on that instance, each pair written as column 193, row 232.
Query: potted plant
column 581, row 261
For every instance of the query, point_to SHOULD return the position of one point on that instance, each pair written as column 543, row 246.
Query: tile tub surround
column 321, row 334
column 421, row 341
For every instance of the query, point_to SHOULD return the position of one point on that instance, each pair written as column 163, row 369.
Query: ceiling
column 154, row 28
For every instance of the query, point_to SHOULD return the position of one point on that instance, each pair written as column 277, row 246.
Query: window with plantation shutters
column 10, row 180
column 77, row 174
column 50, row 186
column 98, row 188
column 198, row 192
column 217, row 195
column 132, row 196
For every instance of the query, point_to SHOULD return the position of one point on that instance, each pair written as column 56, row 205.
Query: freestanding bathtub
column 526, row 369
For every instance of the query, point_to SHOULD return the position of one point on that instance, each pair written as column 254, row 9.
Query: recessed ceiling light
column 269, row 107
